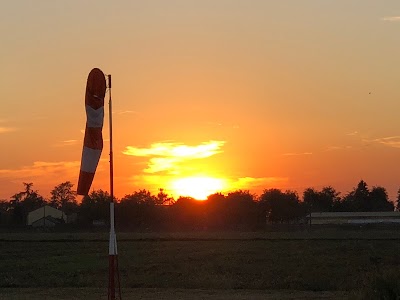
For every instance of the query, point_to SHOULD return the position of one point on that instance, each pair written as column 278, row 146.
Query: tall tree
column 358, row 199
column 281, row 207
column 189, row 213
column 95, row 206
column 398, row 200
column 379, row 199
column 363, row 199
column 141, row 209
column 319, row 201
column 242, row 211
column 216, row 211
column 64, row 198
column 24, row 202
column 163, row 198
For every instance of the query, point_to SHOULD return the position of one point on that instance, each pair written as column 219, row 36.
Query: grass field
column 166, row 294
column 327, row 264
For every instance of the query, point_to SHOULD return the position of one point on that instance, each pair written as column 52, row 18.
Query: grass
column 164, row 294
column 302, row 261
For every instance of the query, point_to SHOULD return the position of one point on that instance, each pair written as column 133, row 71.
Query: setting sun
column 197, row 187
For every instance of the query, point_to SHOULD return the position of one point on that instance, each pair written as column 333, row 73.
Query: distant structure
column 46, row 216
column 355, row 218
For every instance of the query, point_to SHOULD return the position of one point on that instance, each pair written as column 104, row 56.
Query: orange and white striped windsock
column 93, row 141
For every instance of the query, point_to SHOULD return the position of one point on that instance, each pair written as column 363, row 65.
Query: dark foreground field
column 166, row 294
column 327, row 264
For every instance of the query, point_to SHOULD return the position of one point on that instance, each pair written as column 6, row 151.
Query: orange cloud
column 40, row 169
column 392, row 19
column 297, row 153
column 7, row 129
column 169, row 156
column 390, row 141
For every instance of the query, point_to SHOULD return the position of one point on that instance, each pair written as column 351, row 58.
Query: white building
column 45, row 216
column 381, row 217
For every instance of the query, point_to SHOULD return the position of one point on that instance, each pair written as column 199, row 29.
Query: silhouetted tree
column 64, row 198
column 95, row 206
column 24, row 202
column 361, row 199
column 242, row 210
column 189, row 214
column 216, row 211
column 281, row 207
column 163, row 198
column 142, row 209
column 379, row 199
column 398, row 200
column 320, row 201
column 5, row 213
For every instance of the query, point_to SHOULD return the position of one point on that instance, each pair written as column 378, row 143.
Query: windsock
column 93, row 141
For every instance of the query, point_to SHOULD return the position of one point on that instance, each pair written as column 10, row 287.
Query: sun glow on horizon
column 197, row 187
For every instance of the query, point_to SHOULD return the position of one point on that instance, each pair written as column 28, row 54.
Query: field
column 318, row 264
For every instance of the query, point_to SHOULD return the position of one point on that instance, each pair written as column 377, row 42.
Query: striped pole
column 112, row 249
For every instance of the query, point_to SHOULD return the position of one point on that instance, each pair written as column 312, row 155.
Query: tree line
column 237, row 210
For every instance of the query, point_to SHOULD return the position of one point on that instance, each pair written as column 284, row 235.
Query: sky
column 210, row 95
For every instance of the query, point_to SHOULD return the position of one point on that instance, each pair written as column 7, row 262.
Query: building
column 46, row 216
column 356, row 218
column 47, row 221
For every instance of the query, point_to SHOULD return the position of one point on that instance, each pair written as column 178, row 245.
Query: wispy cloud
column 7, row 129
column 390, row 141
column 167, row 156
column 66, row 143
column 297, row 153
column 391, row 18
column 38, row 169
column 46, row 171
column 124, row 112
column 256, row 182
column 334, row 148
column 44, row 175
column 352, row 133
column 170, row 149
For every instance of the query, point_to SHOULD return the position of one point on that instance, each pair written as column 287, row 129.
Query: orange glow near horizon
column 199, row 187
column 208, row 96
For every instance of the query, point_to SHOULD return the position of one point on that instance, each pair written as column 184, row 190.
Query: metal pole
column 111, row 144
column 111, row 249
column 113, row 252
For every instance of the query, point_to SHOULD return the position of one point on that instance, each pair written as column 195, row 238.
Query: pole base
column 113, row 278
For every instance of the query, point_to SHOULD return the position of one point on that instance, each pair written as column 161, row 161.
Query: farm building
column 46, row 216
column 357, row 218
column 47, row 221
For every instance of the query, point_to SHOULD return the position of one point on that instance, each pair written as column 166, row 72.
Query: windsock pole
column 112, row 251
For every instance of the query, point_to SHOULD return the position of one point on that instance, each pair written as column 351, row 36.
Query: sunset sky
column 208, row 95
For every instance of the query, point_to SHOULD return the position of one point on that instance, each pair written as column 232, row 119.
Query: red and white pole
column 112, row 249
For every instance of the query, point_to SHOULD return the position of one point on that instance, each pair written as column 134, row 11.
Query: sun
column 197, row 187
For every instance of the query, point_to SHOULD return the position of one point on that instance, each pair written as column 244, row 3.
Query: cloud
column 256, row 182
column 392, row 19
column 39, row 168
column 178, row 150
column 390, row 141
column 352, row 133
column 123, row 112
column 7, row 129
column 334, row 148
column 297, row 153
column 66, row 143
column 167, row 156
